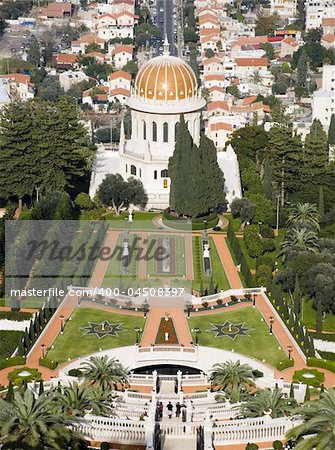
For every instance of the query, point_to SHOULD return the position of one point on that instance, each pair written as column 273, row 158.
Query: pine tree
column 285, row 154
column 319, row 318
column 315, row 156
column 10, row 392
column 297, row 297
column 307, row 394
column 34, row 52
column 267, row 180
column 64, row 209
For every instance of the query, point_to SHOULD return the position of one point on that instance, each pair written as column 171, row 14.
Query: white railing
column 252, row 430
column 179, row 429
column 157, row 352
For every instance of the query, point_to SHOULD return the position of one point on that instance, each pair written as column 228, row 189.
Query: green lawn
column 236, row 222
column 260, row 344
column 219, row 274
column 180, row 265
column 73, row 343
column 141, row 220
column 309, row 318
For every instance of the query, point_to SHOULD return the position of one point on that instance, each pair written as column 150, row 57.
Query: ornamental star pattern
column 229, row 329
column 103, row 329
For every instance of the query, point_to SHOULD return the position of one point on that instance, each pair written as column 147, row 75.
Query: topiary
column 74, row 373
column 277, row 445
column 268, row 245
column 104, row 446
column 251, row 447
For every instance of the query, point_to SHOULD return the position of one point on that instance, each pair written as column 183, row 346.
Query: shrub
column 45, row 362
column 9, row 340
column 263, row 275
column 257, row 373
column 316, row 362
column 255, row 249
column 219, row 301
column 251, row 447
column 285, row 363
column 268, row 245
column 74, row 373
column 104, row 446
column 15, row 315
column 17, row 379
column 205, row 304
column 15, row 361
column 217, row 229
column 264, row 261
column 266, row 231
column 327, row 355
column 319, row 377
column 233, row 298
column 277, row 445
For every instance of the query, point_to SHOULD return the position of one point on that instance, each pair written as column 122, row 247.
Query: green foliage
column 253, row 241
column 266, row 231
column 316, row 54
column 316, row 381
column 302, row 69
column 242, row 207
column 266, row 24
column 12, row 10
column 18, row 379
column 74, row 373
column 251, row 446
column 316, row 362
column 263, row 208
column 263, row 275
column 249, row 143
column 14, row 361
column 197, row 182
column 315, row 156
column 83, row 201
column 45, row 362
column 277, row 445
column 9, row 340
column 131, row 67
column 15, row 315
column 282, row 365
column 331, row 131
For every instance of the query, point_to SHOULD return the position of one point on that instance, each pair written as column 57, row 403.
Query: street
column 165, row 22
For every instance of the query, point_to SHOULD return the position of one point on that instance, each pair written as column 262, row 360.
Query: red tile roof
column 252, row 62
column 120, row 74
column 17, row 78
column 123, row 48
column 119, row 91
column 66, row 58
column 221, row 126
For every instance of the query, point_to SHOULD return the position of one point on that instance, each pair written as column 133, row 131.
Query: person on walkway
column 169, row 407
column 178, row 409
column 160, row 409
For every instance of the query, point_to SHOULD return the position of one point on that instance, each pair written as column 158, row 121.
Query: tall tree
column 331, row 131
column 285, row 153
column 302, row 69
column 232, row 374
column 297, row 297
column 315, row 156
column 267, row 180
column 17, row 161
column 34, row 52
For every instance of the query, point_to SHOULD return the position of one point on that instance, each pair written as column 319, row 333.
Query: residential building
column 316, row 11
column 286, row 9
column 121, row 55
column 19, row 86
column 61, row 10
column 288, row 46
column 69, row 78
column 324, row 98
column 80, row 45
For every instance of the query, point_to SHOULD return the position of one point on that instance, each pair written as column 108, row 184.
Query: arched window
column 144, row 127
column 154, row 131
column 155, row 174
column 176, row 128
column 165, row 132
column 133, row 170
column 164, row 173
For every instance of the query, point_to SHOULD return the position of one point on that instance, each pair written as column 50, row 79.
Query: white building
column 165, row 88
column 18, row 86
column 69, row 78
column 316, row 11
column 4, row 95
column 286, row 9
column 324, row 98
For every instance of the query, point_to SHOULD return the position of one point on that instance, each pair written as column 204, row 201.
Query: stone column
column 208, row 433
column 179, row 375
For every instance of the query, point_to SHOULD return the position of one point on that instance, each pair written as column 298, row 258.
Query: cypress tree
column 31, row 331
column 201, row 289
column 319, row 317
column 331, row 131
column 211, row 286
column 321, row 207
column 26, row 340
column 10, row 392
column 267, row 180
column 322, row 388
column 297, row 297
column 291, row 394
column 307, row 394
column 41, row 388
column 302, row 69
column 20, row 348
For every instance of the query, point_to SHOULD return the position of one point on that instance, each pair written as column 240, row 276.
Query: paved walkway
column 227, row 261
column 179, row 321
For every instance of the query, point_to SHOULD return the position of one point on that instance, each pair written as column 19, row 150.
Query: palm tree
column 304, row 215
column 232, row 374
column 104, row 372
column 300, row 239
column 74, row 400
column 234, row 394
column 319, row 426
column 256, row 78
column 34, row 423
column 267, row 401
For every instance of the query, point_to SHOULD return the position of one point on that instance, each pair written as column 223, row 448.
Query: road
column 165, row 22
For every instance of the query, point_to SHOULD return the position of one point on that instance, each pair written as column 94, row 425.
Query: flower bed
column 312, row 377
column 166, row 326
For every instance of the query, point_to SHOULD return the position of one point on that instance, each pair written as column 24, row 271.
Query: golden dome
column 166, row 78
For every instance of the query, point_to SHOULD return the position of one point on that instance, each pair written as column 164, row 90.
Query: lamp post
column 138, row 332
column 254, row 300
column 61, row 318
column 43, row 346
column 289, row 349
column 271, row 321
column 197, row 331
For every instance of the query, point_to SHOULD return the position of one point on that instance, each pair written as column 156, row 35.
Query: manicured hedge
column 285, row 363
column 180, row 223
column 15, row 361
column 18, row 379
column 324, row 336
column 327, row 355
column 9, row 340
column 316, row 362
column 45, row 362
column 15, row 315
column 316, row 381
